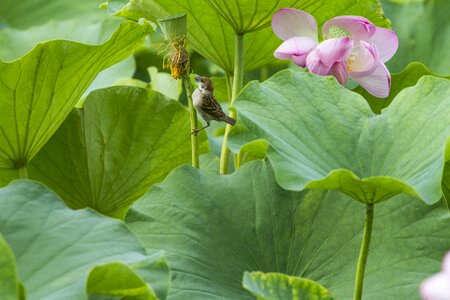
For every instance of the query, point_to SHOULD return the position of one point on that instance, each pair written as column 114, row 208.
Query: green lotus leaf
column 108, row 77
column 276, row 286
column 10, row 286
column 132, row 82
column 40, row 89
column 164, row 83
column 214, row 228
column 107, row 154
column 406, row 78
column 210, row 35
column 56, row 247
column 253, row 150
column 251, row 15
column 24, row 14
column 6, row 176
column 210, row 162
column 324, row 136
column 118, row 279
column 15, row 43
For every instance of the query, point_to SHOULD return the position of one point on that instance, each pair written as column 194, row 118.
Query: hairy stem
column 363, row 253
column 193, row 115
column 238, row 79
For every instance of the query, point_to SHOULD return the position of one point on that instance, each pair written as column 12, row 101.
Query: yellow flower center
column 350, row 61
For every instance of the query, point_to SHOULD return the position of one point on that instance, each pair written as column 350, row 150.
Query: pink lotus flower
column 352, row 47
column 437, row 287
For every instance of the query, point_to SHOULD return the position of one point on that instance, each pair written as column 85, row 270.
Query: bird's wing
column 212, row 107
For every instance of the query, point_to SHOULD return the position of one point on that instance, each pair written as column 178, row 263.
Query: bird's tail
column 229, row 120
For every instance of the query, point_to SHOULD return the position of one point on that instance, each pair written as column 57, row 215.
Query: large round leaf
column 278, row 286
column 55, row 247
column 74, row 27
column 15, row 43
column 252, row 15
column 127, row 283
column 117, row 279
column 211, row 35
column 39, row 90
column 6, row 176
column 216, row 227
column 107, row 154
column 24, row 14
column 164, row 83
column 325, row 136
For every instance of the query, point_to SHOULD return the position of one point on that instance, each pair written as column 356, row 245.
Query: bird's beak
column 197, row 78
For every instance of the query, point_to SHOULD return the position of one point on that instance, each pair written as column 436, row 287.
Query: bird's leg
column 197, row 130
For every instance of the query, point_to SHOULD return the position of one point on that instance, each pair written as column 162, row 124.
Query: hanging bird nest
column 177, row 58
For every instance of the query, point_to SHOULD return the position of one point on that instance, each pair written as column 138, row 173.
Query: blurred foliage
column 423, row 28
column 27, row 13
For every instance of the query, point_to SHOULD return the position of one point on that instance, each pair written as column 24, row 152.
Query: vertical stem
column 238, row 79
column 363, row 253
column 225, row 153
column 237, row 161
column 23, row 172
column 229, row 78
column 264, row 72
column 193, row 116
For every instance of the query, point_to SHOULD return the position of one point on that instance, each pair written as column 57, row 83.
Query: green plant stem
column 23, row 172
column 237, row 156
column 193, row 116
column 238, row 76
column 264, row 72
column 229, row 78
column 363, row 253
column 237, row 161
column 238, row 79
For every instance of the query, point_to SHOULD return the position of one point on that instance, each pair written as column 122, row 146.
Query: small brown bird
column 206, row 104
